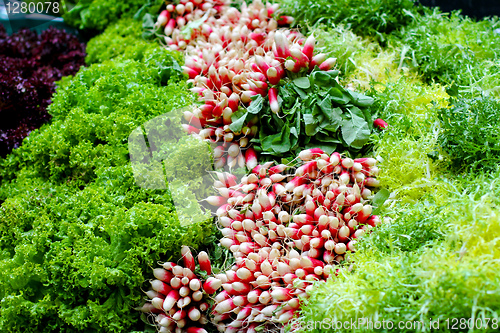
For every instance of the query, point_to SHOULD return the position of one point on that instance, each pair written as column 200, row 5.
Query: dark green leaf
column 301, row 92
column 302, row 82
column 334, row 115
column 323, row 78
column 148, row 21
column 357, row 111
column 238, row 123
column 355, row 132
column 360, row 99
column 327, row 137
column 256, row 105
column 311, row 127
column 278, row 143
column 338, row 96
column 452, row 90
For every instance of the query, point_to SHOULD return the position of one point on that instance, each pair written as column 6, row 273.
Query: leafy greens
column 78, row 237
column 318, row 112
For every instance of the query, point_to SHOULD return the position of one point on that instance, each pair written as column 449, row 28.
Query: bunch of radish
column 232, row 55
column 178, row 298
column 176, row 17
column 287, row 230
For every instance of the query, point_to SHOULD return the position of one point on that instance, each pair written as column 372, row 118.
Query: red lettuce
column 30, row 64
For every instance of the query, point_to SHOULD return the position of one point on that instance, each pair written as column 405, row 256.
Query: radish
column 157, row 302
column 241, row 287
column 204, row 262
column 148, row 308
column 195, row 284
column 188, row 258
column 163, row 18
column 172, row 298
column 240, row 301
column 269, row 310
column 197, row 296
column 175, row 283
column 364, row 214
column 343, row 233
column 328, row 215
column 212, row 285
column 181, row 323
column 366, row 162
column 351, row 246
column 309, row 154
column 169, row 28
column 286, row 317
column 244, row 274
column 371, row 182
column 250, row 158
column 152, row 294
column 317, row 60
column 281, row 43
column 223, row 295
column 194, row 314
column 340, row 248
column 180, row 314
column 328, row 64
column 273, row 76
column 380, row 124
column 301, row 59
column 284, row 20
column 244, row 313
column 253, row 296
column 216, row 200
column 309, row 47
column 160, row 287
column 265, row 297
column 204, row 306
column 263, row 66
column 186, row 272
column 225, row 306
column 281, row 294
column 180, row 9
column 293, row 66
column 273, row 100
column 195, row 330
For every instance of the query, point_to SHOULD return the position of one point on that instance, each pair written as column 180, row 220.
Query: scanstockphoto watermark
column 361, row 324
column 365, row 324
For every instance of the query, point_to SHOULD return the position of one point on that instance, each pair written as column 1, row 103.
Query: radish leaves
column 330, row 116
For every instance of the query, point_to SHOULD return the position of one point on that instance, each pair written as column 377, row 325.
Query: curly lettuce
column 78, row 237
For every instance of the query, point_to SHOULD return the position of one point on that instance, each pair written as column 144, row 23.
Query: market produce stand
column 327, row 163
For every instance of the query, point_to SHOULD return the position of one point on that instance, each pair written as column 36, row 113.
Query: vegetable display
column 285, row 231
column 360, row 181
column 318, row 112
column 241, row 58
column 30, row 64
column 179, row 296
column 77, row 236
column 288, row 231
